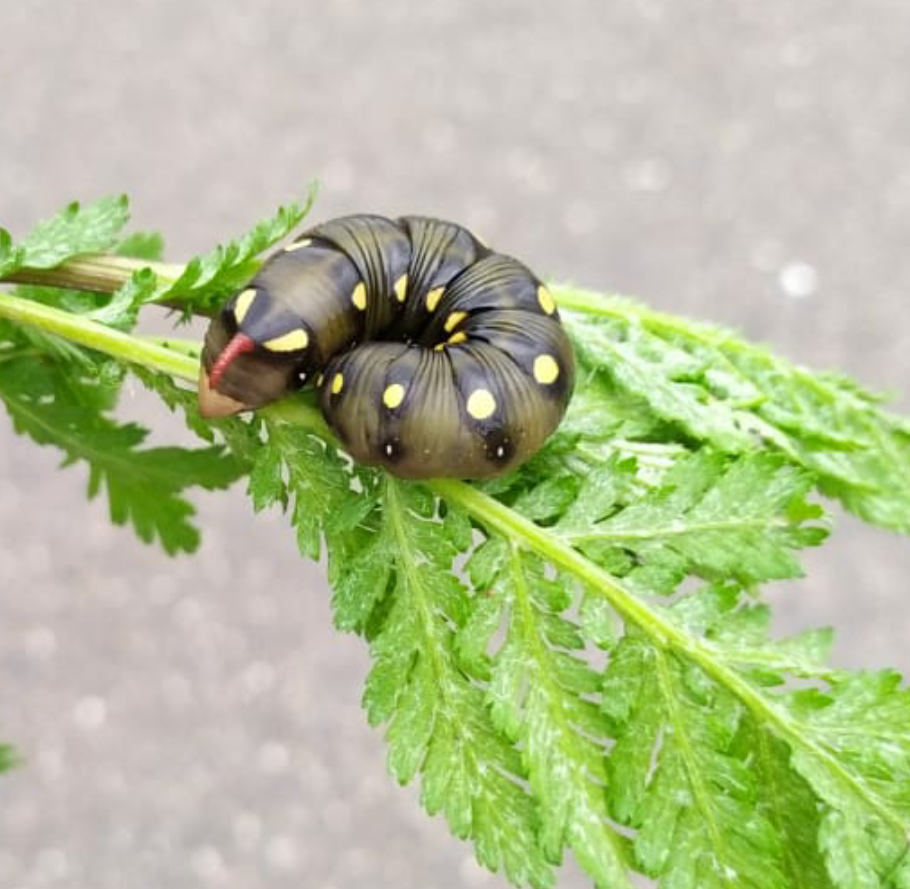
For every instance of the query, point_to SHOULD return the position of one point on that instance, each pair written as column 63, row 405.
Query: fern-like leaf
column 74, row 230
column 207, row 280
column 143, row 484
column 736, row 396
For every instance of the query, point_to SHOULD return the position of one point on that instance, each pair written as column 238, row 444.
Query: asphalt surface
column 196, row 722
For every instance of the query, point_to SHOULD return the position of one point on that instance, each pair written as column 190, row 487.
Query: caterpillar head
column 253, row 355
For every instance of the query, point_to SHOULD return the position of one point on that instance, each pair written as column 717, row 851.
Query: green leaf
column 142, row 245
column 78, row 230
column 316, row 480
column 266, row 478
column 10, row 254
column 439, row 725
column 720, row 390
column 790, row 806
column 865, row 718
column 849, row 746
column 676, row 778
column 560, row 732
column 673, row 381
column 122, row 310
column 711, row 516
column 143, row 484
column 75, row 229
column 207, row 280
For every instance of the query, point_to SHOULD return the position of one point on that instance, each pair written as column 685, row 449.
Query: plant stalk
column 96, row 272
column 122, row 346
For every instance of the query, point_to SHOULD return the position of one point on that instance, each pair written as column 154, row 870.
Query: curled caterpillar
column 433, row 355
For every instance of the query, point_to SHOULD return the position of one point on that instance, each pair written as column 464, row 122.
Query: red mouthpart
column 237, row 346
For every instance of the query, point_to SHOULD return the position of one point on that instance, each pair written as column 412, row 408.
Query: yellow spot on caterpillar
column 545, row 298
column 401, row 288
column 292, row 341
column 298, row 245
column 393, row 396
column 546, row 370
column 481, row 404
column 433, row 298
column 359, row 296
column 320, row 379
column 454, row 319
column 453, row 340
column 337, row 384
column 244, row 301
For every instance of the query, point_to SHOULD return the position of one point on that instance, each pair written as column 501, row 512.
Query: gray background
column 196, row 722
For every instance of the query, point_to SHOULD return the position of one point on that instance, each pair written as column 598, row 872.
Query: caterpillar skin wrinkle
column 433, row 355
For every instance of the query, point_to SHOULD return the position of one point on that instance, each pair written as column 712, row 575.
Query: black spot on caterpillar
column 433, row 355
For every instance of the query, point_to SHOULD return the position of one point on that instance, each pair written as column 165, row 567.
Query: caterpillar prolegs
column 432, row 355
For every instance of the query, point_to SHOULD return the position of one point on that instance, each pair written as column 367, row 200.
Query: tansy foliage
column 74, row 230
column 67, row 406
column 736, row 396
column 208, row 279
column 573, row 657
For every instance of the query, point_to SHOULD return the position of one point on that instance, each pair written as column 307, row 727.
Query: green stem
column 76, row 329
column 190, row 348
column 688, row 529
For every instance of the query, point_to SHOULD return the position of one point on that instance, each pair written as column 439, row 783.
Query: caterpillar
column 433, row 356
